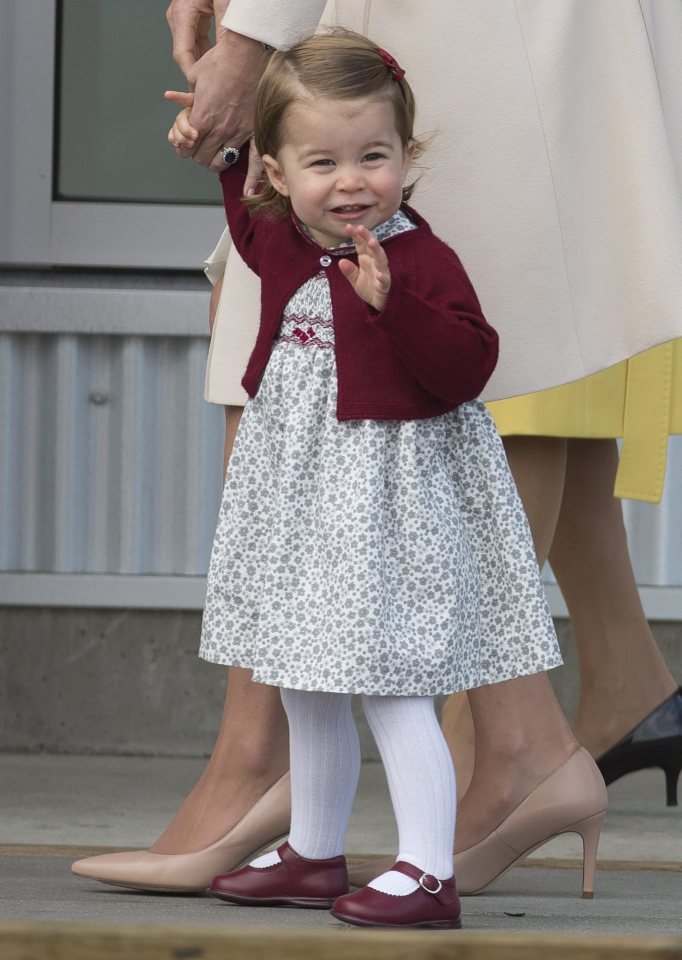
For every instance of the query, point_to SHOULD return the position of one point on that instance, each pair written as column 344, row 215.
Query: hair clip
column 396, row 71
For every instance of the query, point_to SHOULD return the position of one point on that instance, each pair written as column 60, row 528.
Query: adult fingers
column 189, row 23
column 209, row 150
column 217, row 163
column 202, row 41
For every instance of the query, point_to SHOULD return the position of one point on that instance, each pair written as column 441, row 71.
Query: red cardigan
column 426, row 352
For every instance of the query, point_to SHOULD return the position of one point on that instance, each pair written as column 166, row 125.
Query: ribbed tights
column 325, row 765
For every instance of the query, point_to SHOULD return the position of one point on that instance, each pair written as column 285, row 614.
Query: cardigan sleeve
column 246, row 230
column 436, row 327
column 279, row 23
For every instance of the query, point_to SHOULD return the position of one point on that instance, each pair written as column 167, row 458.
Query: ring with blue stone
column 230, row 156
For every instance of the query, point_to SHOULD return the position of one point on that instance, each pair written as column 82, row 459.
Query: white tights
column 325, row 765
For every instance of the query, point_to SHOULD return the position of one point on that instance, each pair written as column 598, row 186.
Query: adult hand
column 224, row 82
column 189, row 22
column 223, row 78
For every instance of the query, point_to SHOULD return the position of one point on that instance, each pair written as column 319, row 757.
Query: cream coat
column 555, row 171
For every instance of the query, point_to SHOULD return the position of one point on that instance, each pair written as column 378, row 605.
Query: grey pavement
column 524, row 900
column 126, row 801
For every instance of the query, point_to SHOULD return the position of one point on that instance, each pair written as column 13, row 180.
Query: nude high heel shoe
column 264, row 826
column 572, row 799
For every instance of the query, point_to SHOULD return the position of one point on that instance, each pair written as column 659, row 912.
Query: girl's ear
column 409, row 156
column 275, row 174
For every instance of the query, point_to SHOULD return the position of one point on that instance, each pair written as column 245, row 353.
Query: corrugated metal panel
column 110, row 461
column 655, row 531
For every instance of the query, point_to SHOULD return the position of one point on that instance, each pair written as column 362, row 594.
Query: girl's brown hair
column 338, row 65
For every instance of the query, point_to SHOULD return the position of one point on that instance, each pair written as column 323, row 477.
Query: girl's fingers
column 182, row 122
column 357, row 231
column 366, row 243
column 349, row 270
column 185, row 127
column 361, row 239
column 372, row 263
column 183, row 147
column 360, row 234
column 185, row 99
column 182, row 134
column 185, row 152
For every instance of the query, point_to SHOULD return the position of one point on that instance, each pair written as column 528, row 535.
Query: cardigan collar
column 400, row 222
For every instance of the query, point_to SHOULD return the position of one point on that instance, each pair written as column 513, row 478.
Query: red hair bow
column 396, row 71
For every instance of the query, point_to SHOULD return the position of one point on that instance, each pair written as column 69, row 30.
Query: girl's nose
column 350, row 180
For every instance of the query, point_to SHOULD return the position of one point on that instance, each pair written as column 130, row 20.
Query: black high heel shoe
column 655, row 742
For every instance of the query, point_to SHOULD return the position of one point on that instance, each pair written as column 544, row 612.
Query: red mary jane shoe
column 433, row 904
column 294, row 882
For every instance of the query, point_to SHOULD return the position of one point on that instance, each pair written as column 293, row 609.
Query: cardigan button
column 326, row 260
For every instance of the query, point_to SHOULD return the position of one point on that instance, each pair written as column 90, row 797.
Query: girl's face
column 341, row 162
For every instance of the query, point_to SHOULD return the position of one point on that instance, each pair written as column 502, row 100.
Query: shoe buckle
column 428, row 876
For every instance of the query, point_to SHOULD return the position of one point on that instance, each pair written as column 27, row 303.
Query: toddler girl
column 370, row 538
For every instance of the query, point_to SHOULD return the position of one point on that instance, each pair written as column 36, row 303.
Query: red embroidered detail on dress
column 304, row 335
column 301, row 339
column 320, row 344
column 300, row 319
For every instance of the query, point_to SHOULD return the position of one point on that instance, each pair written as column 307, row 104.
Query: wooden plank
column 53, row 941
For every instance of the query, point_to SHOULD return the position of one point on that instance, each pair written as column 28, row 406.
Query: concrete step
column 130, row 682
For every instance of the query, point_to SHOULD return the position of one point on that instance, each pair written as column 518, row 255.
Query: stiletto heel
column 672, row 773
column 655, row 742
column 589, row 830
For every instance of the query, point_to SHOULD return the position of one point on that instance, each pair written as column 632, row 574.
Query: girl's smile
column 341, row 162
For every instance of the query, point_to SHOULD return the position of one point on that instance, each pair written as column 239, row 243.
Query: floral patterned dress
column 365, row 556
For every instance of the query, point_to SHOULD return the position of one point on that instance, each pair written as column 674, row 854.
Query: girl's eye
column 373, row 156
column 322, row 163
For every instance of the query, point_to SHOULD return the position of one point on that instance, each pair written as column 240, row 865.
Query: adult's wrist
column 234, row 55
column 247, row 48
